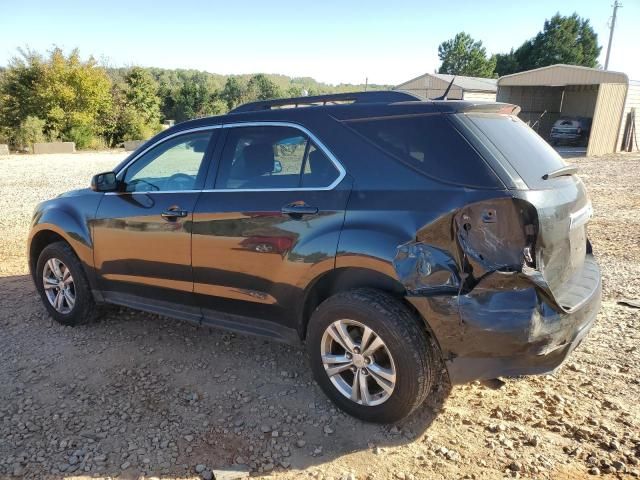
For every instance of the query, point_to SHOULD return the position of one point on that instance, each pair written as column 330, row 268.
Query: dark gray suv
column 395, row 237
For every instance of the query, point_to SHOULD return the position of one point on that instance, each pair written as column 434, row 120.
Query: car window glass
column 319, row 171
column 173, row 165
column 430, row 144
column 262, row 158
column 529, row 154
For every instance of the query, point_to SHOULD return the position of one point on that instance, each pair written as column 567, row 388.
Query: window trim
column 120, row 173
column 341, row 170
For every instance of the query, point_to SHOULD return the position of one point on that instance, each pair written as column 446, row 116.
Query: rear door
column 267, row 223
column 142, row 234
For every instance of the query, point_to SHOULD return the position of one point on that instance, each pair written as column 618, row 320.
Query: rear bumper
column 507, row 327
column 569, row 137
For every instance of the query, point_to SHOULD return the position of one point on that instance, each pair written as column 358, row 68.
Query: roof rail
column 376, row 96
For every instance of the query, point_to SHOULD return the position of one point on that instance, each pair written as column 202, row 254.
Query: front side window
column 272, row 157
column 174, row 165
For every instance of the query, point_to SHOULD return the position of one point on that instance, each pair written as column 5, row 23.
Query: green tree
column 260, row 87
column 462, row 55
column 68, row 94
column 141, row 93
column 197, row 97
column 506, row 63
column 233, row 92
column 136, row 106
column 570, row 40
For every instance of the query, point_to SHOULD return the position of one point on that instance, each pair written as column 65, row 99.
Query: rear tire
column 397, row 376
column 67, row 296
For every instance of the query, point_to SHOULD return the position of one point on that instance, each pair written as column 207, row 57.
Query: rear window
column 430, row 144
column 523, row 148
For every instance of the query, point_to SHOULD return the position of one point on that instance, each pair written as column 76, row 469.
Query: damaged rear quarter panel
column 461, row 267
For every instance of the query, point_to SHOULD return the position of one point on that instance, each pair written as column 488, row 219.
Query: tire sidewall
column 402, row 400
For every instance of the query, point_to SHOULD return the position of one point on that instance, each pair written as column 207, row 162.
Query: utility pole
column 615, row 6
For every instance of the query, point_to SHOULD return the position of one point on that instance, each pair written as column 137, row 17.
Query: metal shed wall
column 633, row 101
column 607, row 118
column 580, row 100
column 479, row 96
column 534, row 102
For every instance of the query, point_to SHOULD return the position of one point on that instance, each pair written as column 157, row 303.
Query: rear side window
column 523, row 148
column 431, row 144
column 273, row 157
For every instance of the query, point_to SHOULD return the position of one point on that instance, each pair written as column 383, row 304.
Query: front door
column 143, row 232
column 267, row 227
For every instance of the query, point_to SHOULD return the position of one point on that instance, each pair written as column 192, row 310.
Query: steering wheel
column 180, row 181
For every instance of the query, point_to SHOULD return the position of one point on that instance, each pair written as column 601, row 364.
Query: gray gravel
column 137, row 395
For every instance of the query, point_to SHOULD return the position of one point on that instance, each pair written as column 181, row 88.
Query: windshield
column 523, row 148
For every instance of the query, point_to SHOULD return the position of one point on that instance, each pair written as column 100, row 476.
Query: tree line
column 570, row 40
column 59, row 97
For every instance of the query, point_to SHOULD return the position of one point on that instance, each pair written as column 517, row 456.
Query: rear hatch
column 562, row 205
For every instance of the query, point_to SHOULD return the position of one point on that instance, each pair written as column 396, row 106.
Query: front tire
column 371, row 355
column 63, row 286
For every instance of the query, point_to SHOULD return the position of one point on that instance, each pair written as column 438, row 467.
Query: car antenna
column 446, row 92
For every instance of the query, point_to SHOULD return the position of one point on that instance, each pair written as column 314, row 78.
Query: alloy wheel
column 358, row 362
column 58, row 285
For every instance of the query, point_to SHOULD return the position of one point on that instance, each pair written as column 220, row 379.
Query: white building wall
column 632, row 101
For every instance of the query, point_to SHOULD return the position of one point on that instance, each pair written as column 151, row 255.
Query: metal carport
column 545, row 94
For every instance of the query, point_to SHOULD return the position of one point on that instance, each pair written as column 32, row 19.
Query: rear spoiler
column 504, row 108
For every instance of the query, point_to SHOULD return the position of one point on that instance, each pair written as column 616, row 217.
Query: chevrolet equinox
column 394, row 237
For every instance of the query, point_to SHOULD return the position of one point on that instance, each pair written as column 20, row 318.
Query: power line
column 615, row 6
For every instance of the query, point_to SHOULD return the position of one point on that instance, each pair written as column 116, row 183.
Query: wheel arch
column 340, row 280
column 44, row 234
column 39, row 242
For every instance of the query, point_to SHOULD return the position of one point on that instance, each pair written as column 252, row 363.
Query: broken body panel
column 504, row 278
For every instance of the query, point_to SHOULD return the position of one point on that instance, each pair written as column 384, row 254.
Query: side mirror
column 277, row 166
column 104, row 182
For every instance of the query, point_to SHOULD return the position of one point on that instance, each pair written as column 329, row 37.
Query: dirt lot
column 136, row 395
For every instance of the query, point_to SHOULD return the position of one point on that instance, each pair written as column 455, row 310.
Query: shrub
column 98, row 143
column 31, row 131
column 81, row 135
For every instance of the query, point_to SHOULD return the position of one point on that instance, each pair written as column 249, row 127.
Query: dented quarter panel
column 464, row 269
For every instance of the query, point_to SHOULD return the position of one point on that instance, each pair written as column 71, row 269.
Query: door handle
column 174, row 212
column 299, row 209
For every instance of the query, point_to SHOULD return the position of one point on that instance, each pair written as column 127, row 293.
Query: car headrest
column 258, row 159
column 199, row 145
column 319, row 164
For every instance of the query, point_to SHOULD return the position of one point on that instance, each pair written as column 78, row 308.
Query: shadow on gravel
column 137, row 394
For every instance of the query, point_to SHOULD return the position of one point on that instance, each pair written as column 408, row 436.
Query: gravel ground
column 140, row 396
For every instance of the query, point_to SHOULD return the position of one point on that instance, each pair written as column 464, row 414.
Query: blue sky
column 332, row 41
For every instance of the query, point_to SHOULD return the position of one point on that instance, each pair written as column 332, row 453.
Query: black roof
column 343, row 106
column 379, row 96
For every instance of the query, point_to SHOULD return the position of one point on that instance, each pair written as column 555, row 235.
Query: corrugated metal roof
column 561, row 75
column 474, row 84
column 468, row 84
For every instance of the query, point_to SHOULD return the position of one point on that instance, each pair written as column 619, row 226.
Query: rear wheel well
column 38, row 243
column 343, row 279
